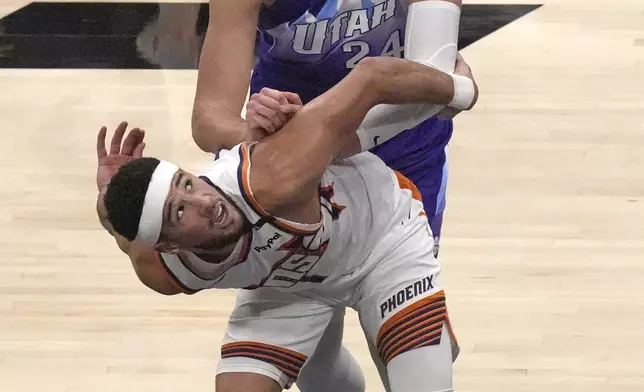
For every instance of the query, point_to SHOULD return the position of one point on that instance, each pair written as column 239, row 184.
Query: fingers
column 275, row 94
column 257, row 121
column 283, row 97
column 269, row 108
column 133, row 139
column 290, row 108
column 138, row 151
column 100, row 142
column 293, row 98
column 115, row 145
column 273, row 112
column 270, row 102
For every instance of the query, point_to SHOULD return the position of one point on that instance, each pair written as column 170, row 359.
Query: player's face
column 197, row 216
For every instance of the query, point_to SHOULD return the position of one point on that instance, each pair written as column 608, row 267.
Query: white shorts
column 398, row 297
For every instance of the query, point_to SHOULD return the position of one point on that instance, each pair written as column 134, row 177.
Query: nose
column 202, row 203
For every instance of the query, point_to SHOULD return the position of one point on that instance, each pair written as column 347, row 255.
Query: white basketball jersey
column 360, row 199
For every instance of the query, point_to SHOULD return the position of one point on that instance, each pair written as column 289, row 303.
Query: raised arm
column 224, row 73
column 297, row 156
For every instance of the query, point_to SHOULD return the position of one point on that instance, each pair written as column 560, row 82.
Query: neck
column 215, row 255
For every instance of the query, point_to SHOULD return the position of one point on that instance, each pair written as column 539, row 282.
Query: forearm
column 297, row 156
column 385, row 121
column 214, row 129
column 224, row 73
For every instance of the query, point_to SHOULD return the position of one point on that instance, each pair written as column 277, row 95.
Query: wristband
column 464, row 92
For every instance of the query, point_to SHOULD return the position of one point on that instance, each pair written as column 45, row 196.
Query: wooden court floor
column 543, row 247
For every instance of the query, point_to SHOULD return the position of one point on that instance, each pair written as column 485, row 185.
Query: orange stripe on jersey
column 406, row 183
column 288, row 361
column 417, row 325
column 244, row 179
column 244, row 185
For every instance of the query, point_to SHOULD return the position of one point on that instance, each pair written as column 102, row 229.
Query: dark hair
column 126, row 194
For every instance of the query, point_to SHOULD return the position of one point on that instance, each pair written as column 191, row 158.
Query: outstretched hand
column 109, row 164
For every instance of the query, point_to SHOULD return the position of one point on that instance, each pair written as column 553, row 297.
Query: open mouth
column 220, row 214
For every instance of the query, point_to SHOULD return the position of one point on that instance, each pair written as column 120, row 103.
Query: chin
column 219, row 241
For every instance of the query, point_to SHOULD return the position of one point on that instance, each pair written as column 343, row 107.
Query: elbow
column 204, row 131
column 214, row 128
column 204, row 140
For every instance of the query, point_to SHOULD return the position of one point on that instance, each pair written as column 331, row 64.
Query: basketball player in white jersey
column 305, row 224
column 307, row 46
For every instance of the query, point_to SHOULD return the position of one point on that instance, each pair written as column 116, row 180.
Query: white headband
column 152, row 214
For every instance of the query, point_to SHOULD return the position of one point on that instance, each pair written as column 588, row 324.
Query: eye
column 179, row 212
column 188, row 185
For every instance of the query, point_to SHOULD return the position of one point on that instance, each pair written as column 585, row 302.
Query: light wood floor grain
column 543, row 247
